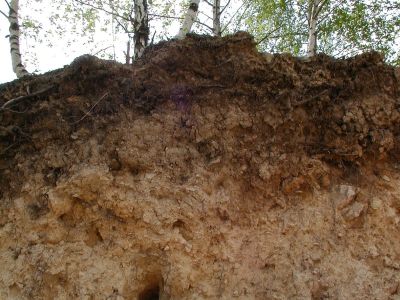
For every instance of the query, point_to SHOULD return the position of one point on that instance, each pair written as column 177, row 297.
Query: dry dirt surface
column 207, row 170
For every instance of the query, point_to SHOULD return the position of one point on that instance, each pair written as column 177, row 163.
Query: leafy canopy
column 344, row 28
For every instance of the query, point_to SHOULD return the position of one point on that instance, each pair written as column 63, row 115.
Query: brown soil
column 206, row 171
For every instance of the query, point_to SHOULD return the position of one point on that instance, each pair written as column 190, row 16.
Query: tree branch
column 226, row 5
column 320, row 6
column 131, row 13
column 240, row 18
column 330, row 11
column 204, row 24
column 101, row 50
column 91, row 109
column 152, row 39
column 208, row 2
column 179, row 18
column 231, row 19
column 165, row 16
column 103, row 9
column 8, row 4
column 299, row 103
column 207, row 16
column 123, row 27
column 15, row 101
column 269, row 34
column 1, row 12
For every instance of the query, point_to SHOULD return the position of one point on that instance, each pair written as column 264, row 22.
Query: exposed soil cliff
column 206, row 171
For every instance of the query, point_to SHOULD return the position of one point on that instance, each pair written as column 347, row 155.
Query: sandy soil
column 206, row 171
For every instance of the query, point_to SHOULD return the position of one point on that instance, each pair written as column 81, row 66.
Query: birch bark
column 217, row 17
column 312, row 28
column 141, row 27
column 16, row 60
column 190, row 17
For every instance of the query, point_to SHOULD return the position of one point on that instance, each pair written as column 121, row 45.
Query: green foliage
column 344, row 28
column 278, row 24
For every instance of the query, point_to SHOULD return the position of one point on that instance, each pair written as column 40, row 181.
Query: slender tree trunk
column 16, row 60
column 312, row 28
column 141, row 25
column 217, row 17
column 128, row 52
column 190, row 17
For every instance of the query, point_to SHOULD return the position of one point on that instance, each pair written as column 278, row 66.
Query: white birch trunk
column 312, row 29
column 141, row 24
column 217, row 17
column 16, row 60
column 190, row 17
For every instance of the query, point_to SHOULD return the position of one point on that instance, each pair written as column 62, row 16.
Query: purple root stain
column 182, row 97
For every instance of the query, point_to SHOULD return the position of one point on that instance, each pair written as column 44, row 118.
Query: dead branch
column 4, row 14
column 8, row 148
column 226, row 5
column 101, row 50
column 17, row 100
column 91, row 109
column 8, row 4
column 103, row 9
column 152, row 39
column 245, row 5
column 299, row 103
column 179, row 18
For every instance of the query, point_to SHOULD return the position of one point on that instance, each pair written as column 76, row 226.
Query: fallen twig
column 296, row 104
column 212, row 86
column 15, row 101
column 8, row 148
column 91, row 109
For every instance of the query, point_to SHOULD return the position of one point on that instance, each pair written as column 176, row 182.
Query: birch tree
column 217, row 17
column 210, row 19
column 141, row 27
column 14, row 37
column 335, row 27
column 189, row 19
column 131, row 17
column 220, row 21
column 312, row 27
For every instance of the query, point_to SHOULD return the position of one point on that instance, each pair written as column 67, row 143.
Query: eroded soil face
column 206, row 171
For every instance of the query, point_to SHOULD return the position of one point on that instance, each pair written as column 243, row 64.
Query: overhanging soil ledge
column 205, row 171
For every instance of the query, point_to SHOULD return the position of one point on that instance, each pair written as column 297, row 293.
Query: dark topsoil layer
column 348, row 109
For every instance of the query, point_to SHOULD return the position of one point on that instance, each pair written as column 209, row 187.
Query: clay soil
column 207, row 170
